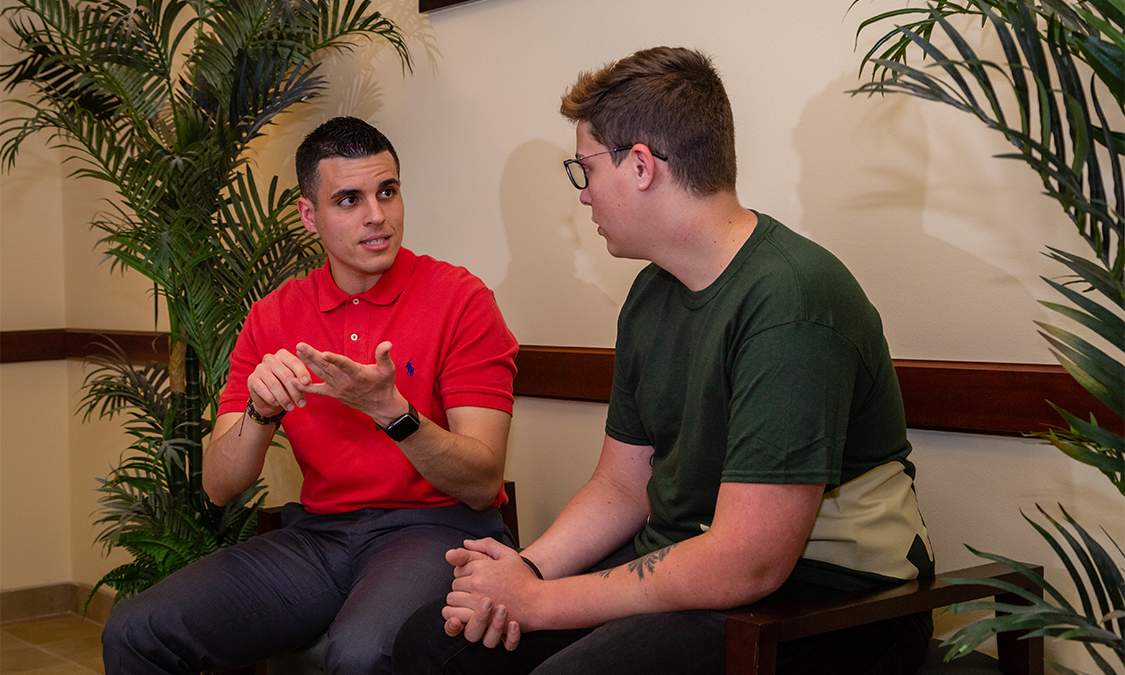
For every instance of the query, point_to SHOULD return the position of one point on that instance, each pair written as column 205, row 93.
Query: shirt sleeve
column 791, row 397
column 244, row 359
column 480, row 368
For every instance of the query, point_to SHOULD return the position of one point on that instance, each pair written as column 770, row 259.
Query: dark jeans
column 676, row 643
column 358, row 575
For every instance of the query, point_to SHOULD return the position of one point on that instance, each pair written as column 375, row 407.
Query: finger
column 291, row 375
column 512, row 637
column 460, row 600
column 294, row 364
column 455, row 619
column 490, row 547
column 460, row 614
column 314, row 359
column 340, row 362
column 476, row 627
column 267, row 392
column 459, row 557
column 497, row 628
column 453, row 627
column 273, row 380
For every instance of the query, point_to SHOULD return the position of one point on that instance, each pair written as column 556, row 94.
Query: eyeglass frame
column 567, row 163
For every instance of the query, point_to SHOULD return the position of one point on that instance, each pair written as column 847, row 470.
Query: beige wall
column 946, row 240
column 34, row 442
column 35, row 492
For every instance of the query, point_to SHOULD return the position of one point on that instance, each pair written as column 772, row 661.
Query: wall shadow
column 543, row 297
column 865, row 177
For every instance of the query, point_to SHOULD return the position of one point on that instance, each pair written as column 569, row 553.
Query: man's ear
column 644, row 166
column 308, row 213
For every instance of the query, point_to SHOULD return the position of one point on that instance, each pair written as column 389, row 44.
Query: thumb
column 383, row 356
column 490, row 547
column 458, row 556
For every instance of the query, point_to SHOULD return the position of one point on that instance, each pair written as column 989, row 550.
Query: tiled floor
column 59, row 645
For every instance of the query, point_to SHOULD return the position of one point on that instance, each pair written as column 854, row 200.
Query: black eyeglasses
column 578, row 176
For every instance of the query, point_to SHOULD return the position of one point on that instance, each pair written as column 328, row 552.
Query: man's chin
column 617, row 252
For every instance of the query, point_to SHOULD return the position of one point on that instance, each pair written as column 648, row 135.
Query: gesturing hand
column 365, row 387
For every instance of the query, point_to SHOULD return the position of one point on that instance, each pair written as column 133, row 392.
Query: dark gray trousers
column 357, row 575
column 670, row 643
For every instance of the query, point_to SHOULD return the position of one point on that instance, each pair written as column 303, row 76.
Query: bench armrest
column 752, row 637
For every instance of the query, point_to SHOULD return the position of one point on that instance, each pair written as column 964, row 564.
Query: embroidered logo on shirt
column 410, row 368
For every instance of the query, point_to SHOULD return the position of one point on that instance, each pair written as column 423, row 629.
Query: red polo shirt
column 451, row 348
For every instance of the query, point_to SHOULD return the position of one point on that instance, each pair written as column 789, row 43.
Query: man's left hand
column 486, row 571
column 369, row 388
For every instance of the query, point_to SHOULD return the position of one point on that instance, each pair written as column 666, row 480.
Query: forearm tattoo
column 644, row 564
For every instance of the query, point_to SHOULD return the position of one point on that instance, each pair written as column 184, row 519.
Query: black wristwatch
column 400, row 429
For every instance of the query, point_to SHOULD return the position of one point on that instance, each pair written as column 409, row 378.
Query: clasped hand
column 490, row 582
column 282, row 380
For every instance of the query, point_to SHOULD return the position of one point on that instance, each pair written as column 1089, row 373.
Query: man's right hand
column 236, row 454
column 276, row 382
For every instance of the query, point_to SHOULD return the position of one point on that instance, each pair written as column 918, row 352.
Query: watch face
column 401, row 428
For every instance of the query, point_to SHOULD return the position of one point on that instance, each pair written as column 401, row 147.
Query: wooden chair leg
column 1018, row 656
column 748, row 651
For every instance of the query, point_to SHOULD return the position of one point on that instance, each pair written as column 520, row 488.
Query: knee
column 406, row 650
column 369, row 646
column 357, row 652
column 127, row 623
column 417, row 648
column 129, row 637
column 413, row 647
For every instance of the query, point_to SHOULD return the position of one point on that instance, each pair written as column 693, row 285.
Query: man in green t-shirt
column 755, row 449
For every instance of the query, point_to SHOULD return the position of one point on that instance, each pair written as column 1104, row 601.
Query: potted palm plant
column 1054, row 96
column 161, row 99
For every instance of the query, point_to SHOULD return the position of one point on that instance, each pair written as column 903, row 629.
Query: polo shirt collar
column 384, row 292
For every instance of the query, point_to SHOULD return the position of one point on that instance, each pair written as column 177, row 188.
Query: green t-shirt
column 778, row 372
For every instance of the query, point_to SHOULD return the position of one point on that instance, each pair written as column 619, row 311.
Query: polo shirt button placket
column 357, row 322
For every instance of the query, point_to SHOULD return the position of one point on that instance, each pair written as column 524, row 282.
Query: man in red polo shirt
column 391, row 374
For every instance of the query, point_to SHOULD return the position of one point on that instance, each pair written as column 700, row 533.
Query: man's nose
column 374, row 214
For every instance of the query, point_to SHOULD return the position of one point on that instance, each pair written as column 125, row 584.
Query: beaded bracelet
column 257, row 416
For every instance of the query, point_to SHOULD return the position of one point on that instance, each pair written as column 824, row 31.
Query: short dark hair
column 672, row 100
column 346, row 137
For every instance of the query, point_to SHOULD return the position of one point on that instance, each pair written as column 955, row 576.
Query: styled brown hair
column 670, row 99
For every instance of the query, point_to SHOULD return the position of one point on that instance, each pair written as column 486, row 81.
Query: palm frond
column 1058, row 110
column 1097, row 578
column 1092, row 445
column 1039, row 101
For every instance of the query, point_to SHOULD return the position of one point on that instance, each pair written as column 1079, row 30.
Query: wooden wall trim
column 569, row 373
column 964, row 396
column 997, row 398
column 430, row 5
column 17, row 346
column 972, row 397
